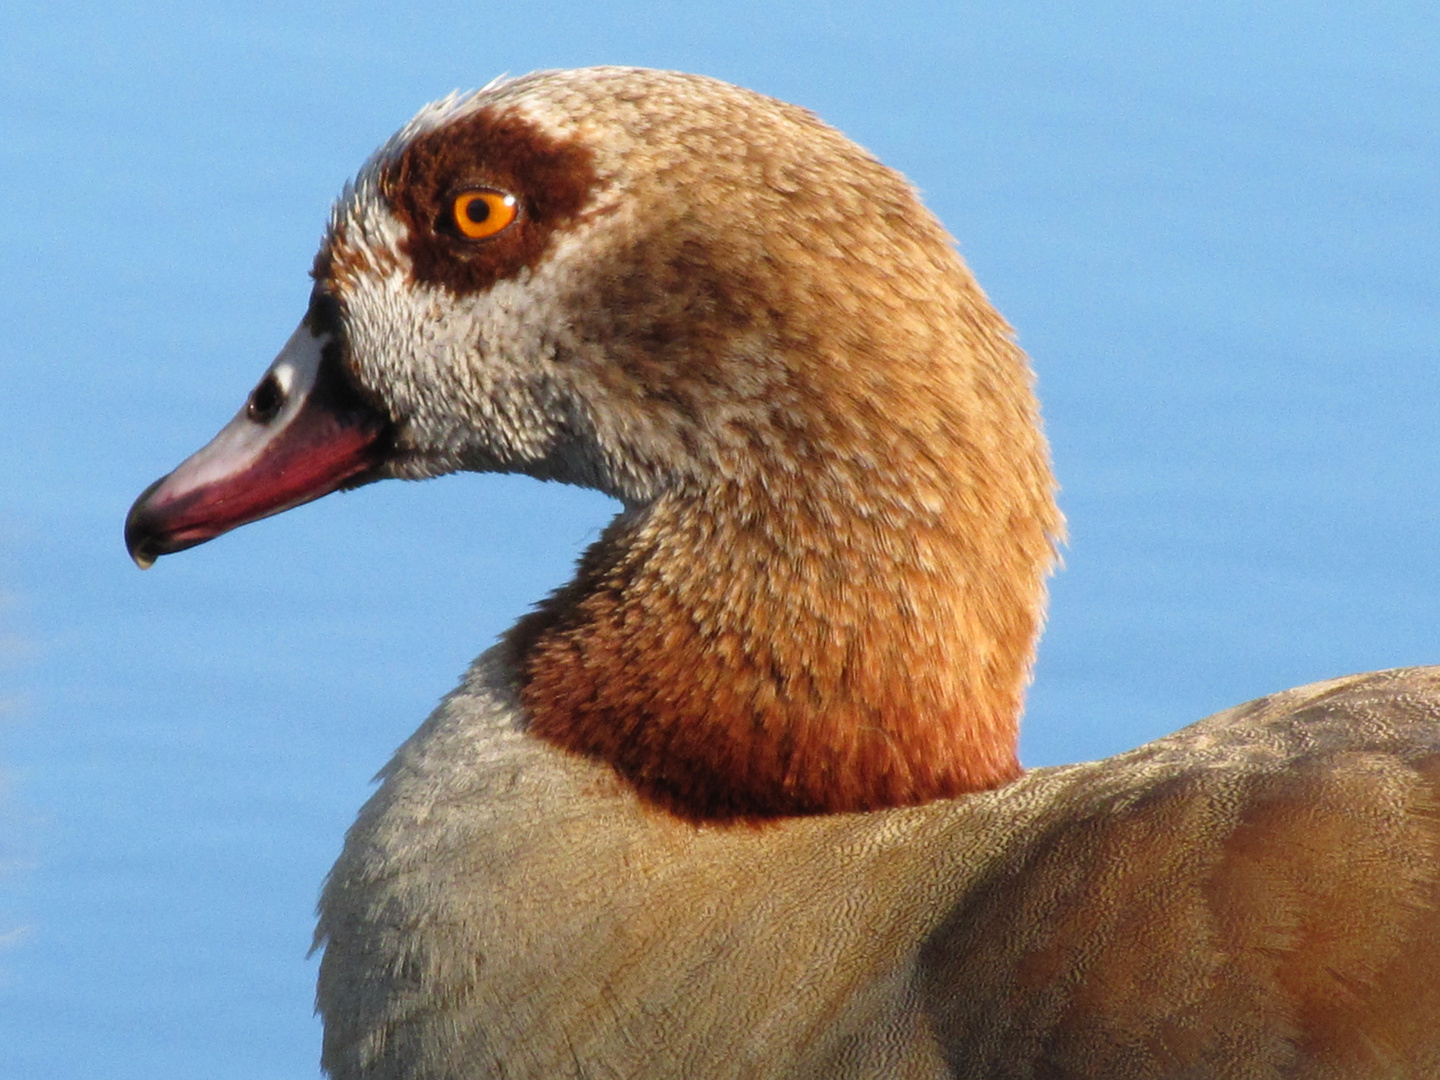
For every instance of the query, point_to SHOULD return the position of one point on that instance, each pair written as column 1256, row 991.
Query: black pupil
column 476, row 211
column 265, row 400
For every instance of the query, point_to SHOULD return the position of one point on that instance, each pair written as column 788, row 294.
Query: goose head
column 824, row 590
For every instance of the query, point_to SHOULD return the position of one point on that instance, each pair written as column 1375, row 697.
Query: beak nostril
column 266, row 400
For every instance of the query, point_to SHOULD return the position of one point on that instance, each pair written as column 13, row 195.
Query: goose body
column 742, row 799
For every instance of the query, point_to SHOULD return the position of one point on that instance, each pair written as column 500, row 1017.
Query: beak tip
column 139, row 536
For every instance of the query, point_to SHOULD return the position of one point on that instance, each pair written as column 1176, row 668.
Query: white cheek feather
column 470, row 378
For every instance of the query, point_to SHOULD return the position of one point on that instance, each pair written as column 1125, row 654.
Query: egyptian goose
column 742, row 799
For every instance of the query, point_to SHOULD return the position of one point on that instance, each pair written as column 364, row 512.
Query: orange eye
column 479, row 214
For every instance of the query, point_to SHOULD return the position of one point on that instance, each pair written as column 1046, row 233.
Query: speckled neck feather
column 845, row 618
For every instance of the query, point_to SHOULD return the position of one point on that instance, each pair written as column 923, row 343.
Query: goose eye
column 479, row 214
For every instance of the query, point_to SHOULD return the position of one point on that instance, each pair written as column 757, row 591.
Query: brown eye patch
column 449, row 188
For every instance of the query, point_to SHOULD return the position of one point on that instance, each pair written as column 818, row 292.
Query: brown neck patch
column 490, row 148
column 732, row 672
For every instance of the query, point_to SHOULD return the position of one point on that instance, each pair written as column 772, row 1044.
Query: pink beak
column 303, row 433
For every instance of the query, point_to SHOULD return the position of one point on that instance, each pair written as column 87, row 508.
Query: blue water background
column 1216, row 227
